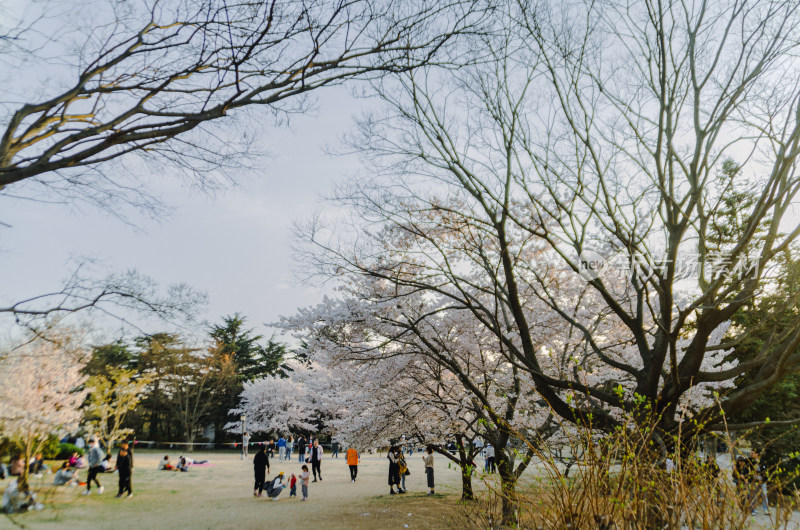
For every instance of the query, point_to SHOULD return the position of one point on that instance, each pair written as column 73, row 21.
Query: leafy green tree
column 108, row 357
column 153, row 355
column 197, row 381
column 251, row 360
column 767, row 319
column 111, row 398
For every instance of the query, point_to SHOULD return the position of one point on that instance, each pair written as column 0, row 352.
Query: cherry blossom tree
column 419, row 367
column 282, row 404
column 41, row 389
column 376, row 401
column 575, row 145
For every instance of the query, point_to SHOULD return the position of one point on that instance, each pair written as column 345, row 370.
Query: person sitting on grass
column 18, row 498
column 17, row 466
column 66, row 475
column 165, row 464
column 275, row 487
column 106, row 463
column 80, row 462
column 183, row 465
column 36, row 464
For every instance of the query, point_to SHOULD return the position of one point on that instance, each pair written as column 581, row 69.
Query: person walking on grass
column 427, row 458
column 301, row 449
column 316, row 460
column 352, row 463
column 304, row 476
column 260, row 470
column 124, row 467
column 95, row 466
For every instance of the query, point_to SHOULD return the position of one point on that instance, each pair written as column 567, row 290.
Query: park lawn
column 220, row 496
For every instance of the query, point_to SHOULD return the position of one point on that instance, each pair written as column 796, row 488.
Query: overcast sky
column 234, row 245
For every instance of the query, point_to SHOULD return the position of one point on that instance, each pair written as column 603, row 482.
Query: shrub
column 65, row 451
column 49, row 449
column 633, row 476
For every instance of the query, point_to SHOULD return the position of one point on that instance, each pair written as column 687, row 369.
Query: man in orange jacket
column 352, row 462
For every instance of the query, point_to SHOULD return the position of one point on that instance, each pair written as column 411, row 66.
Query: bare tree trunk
column 23, row 478
column 465, row 463
column 508, row 487
column 189, row 429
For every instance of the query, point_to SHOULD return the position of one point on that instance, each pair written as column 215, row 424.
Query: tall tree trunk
column 508, row 486
column 189, row 438
column 155, row 413
column 467, row 494
column 465, row 463
column 23, row 478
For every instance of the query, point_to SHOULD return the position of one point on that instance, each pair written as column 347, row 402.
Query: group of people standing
column 312, row 454
column 398, row 469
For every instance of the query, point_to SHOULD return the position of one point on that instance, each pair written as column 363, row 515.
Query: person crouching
column 275, row 487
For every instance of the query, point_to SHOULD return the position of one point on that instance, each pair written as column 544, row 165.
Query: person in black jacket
column 260, row 469
column 124, row 467
column 394, row 470
column 316, row 460
column 124, row 445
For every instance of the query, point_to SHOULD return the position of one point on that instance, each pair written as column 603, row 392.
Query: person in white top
column 427, row 458
column 490, row 462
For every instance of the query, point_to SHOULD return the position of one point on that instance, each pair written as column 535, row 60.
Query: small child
column 304, row 476
column 293, row 486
